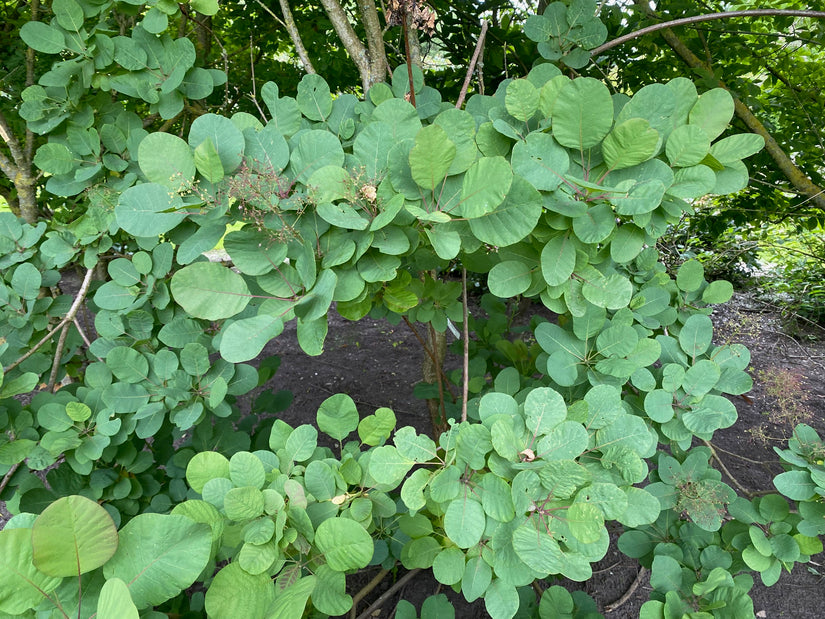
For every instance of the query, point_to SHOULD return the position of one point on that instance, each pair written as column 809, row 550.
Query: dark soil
column 378, row 364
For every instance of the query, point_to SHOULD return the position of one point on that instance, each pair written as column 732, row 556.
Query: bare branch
column 375, row 41
column 696, row 19
column 472, row 66
column 69, row 317
column 289, row 23
column 355, row 48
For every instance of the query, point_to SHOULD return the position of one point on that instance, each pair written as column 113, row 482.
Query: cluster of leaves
column 552, row 189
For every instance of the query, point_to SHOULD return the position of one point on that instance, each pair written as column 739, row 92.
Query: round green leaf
column 243, row 503
column 245, row 339
column 736, row 147
column 464, row 522
column 796, row 485
column 712, row 112
column 54, row 158
column 22, row 586
column 485, row 186
column 167, row 160
column 376, row 428
column 512, row 220
column 719, row 291
column 115, row 602
column 225, row 137
column 127, row 364
column 501, row 600
column 224, row 602
column 206, row 465
column 266, row 149
column 544, row 409
column 337, row 416
column 582, row 114
column 540, row 160
column 687, row 146
column 558, row 259
column 159, row 556
column 344, row 543
column 696, row 335
column 509, row 278
column 246, row 469
column 26, row 281
column 72, row 536
column 537, row 549
column 630, row 143
column 448, row 566
column 210, row 291
column 690, row 276
column 41, row 37
column 149, row 209
column 314, row 150
column 521, row 99
column 431, row 157
column 313, row 98
column 586, row 522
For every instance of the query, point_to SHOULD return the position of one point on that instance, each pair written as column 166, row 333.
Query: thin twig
column 741, row 457
column 629, row 593
column 726, row 471
column 472, row 66
column 465, row 385
column 366, row 590
column 58, row 353
column 83, row 335
column 703, row 18
column 81, row 295
column 7, row 477
column 389, row 593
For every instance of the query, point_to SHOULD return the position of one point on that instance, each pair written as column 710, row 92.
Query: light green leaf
column 159, row 556
column 222, row 598
column 115, row 602
column 208, row 162
column 210, row 291
column 736, row 147
column 22, row 586
column 376, row 428
column 431, row 157
column 712, row 112
column 509, row 278
column 245, row 339
column 512, row 220
column 344, row 543
column 485, row 186
column 54, row 158
column 582, row 114
column 501, row 600
column 225, row 137
column 42, row 38
column 313, row 98
column 337, row 416
column 72, row 536
column 167, row 160
column 464, row 522
column 630, row 143
column 149, row 209
column 558, row 259
column 687, row 146
column 206, row 465
column 521, row 99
